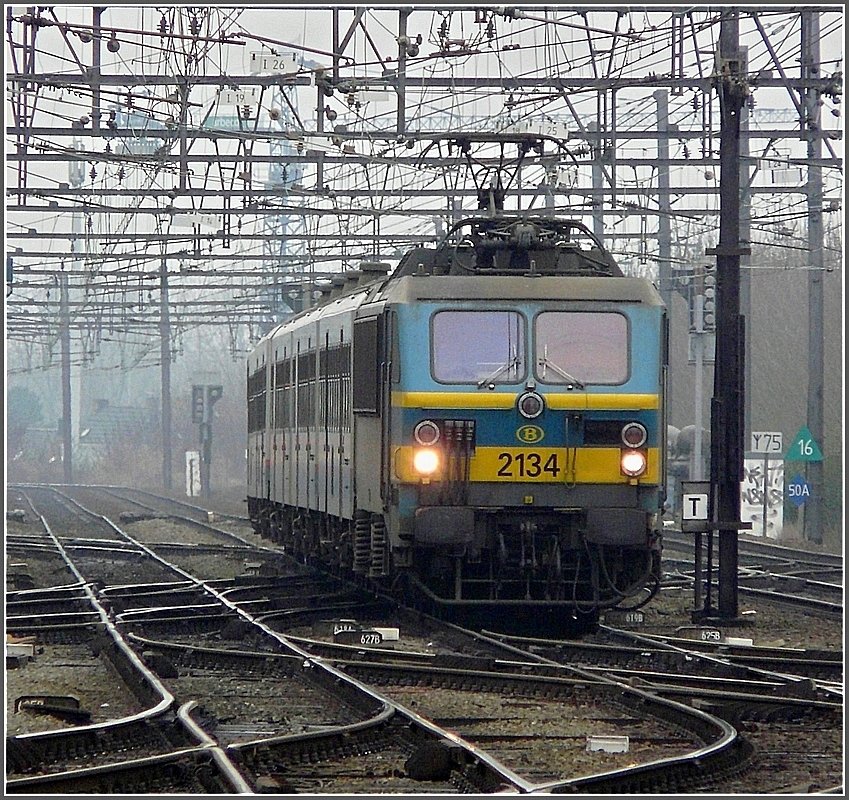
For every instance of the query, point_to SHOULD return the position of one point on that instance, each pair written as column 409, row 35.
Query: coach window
column 476, row 346
column 582, row 346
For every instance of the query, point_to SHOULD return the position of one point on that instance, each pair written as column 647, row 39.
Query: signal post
column 726, row 465
column 203, row 398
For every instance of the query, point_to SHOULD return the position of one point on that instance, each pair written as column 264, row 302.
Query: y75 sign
column 767, row 442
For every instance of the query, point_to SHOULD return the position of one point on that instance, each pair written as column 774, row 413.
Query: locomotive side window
column 582, row 347
column 367, row 348
column 475, row 346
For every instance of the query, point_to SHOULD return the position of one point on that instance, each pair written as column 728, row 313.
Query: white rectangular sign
column 762, row 495
column 378, row 97
column 767, row 442
column 192, row 473
column 240, row 97
column 191, row 219
column 540, row 127
column 285, row 63
column 694, row 506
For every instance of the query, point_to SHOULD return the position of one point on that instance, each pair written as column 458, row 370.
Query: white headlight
column 633, row 463
column 426, row 461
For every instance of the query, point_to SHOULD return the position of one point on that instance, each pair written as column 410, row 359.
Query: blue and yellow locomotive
column 483, row 429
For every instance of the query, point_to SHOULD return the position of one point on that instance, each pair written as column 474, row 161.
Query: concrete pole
column 401, row 80
column 697, row 468
column 96, row 45
column 745, row 258
column 336, row 45
column 65, row 344
column 165, row 373
column 811, row 69
column 598, row 195
column 664, row 201
column 726, row 410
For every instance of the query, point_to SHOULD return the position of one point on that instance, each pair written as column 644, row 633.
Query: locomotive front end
column 528, row 440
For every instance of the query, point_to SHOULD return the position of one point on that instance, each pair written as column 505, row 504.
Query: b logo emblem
column 530, row 434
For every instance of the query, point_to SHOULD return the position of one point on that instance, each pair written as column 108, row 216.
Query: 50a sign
column 798, row 490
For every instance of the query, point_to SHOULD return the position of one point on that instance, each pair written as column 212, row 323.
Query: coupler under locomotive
column 465, row 554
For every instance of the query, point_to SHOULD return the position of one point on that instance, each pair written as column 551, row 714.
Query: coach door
column 369, row 397
column 275, row 433
column 334, row 376
column 300, row 454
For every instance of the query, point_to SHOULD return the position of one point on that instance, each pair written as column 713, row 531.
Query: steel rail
column 725, row 738
column 166, row 699
column 724, row 658
column 225, row 765
column 166, row 702
column 749, row 547
column 425, row 726
column 59, row 782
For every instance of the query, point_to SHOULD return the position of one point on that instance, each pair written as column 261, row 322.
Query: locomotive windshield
column 475, row 346
column 581, row 347
column 570, row 347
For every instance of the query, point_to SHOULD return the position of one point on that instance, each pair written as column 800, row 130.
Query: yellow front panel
column 452, row 400
column 559, row 400
column 536, row 465
column 612, row 401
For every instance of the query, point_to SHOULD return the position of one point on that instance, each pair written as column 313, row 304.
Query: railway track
column 433, row 726
column 161, row 755
column 46, row 752
column 474, row 769
column 773, row 573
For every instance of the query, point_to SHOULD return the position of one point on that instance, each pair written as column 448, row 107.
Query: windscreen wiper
column 546, row 362
column 513, row 362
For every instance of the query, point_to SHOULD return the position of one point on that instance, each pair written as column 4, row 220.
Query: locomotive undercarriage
column 537, row 558
column 540, row 560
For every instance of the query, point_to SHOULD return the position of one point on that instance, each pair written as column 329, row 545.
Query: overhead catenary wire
column 172, row 57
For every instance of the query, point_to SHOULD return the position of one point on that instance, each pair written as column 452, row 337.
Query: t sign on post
column 694, row 505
